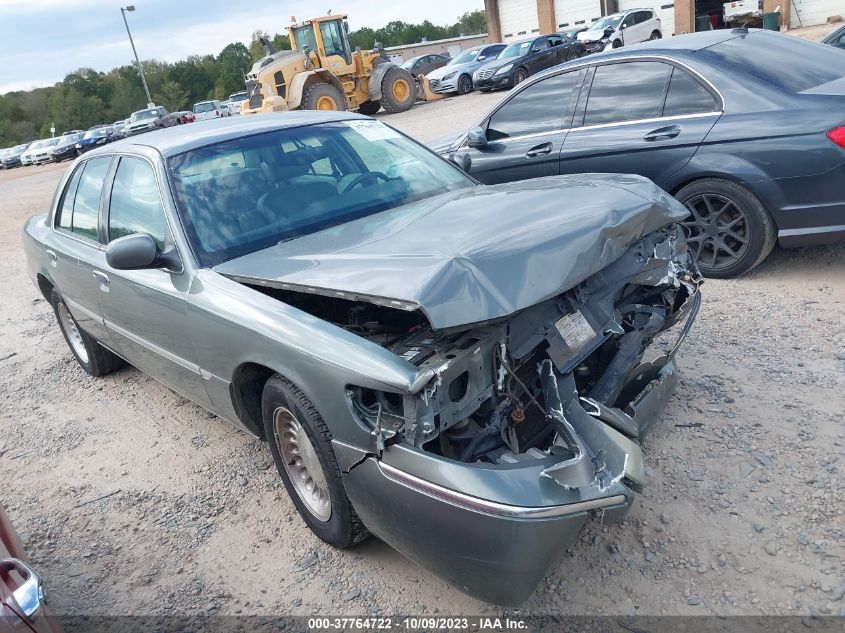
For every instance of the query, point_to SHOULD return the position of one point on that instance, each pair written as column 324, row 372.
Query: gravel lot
column 132, row 500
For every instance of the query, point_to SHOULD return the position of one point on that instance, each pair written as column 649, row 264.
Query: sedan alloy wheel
column 718, row 231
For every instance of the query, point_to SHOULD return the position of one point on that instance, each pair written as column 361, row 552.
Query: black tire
column 369, row 107
column 96, row 360
column 616, row 44
column 398, row 90
column 655, row 35
column 343, row 528
column 318, row 94
column 464, row 84
column 519, row 75
column 729, row 219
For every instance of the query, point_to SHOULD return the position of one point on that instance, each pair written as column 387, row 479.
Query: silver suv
column 621, row 29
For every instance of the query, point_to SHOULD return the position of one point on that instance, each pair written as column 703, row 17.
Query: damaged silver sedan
column 465, row 371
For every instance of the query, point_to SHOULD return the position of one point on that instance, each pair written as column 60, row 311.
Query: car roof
column 690, row 42
column 182, row 138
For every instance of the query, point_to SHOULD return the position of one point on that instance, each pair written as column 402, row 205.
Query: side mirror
column 481, row 58
column 477, row 138
column 462, row 160
column 139, row 251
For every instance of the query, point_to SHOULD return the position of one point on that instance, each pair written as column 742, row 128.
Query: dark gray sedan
column 464, row 370
column 746, row 129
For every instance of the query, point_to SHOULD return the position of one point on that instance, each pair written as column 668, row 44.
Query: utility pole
column 123, row 11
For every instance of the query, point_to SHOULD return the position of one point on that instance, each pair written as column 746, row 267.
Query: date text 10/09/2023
column 416, row 623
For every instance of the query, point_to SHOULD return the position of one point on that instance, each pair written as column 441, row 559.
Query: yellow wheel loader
column 322, row 72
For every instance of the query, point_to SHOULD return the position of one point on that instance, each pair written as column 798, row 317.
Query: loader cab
column 326, row 38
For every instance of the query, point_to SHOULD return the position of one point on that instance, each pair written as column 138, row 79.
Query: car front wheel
column 729, row 230
column 301, row 445
column 519, row 76
column 464, row 84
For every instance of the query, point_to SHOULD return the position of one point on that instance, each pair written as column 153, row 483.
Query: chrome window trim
column 476, row 504
column 698, row 115
column 602, row 62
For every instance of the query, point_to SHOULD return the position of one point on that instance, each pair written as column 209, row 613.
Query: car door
column 146, row 310
column 640, row 117
column 76, row 244
column 627, row 29
column 542, row 56
column 526, row 132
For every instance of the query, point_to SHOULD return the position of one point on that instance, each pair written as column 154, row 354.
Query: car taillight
column 837, row 135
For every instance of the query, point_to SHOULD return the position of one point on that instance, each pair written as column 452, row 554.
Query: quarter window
column 686, row 95
column 627, row 92
column 542, row 107
column 135, row 205
column 80, row 210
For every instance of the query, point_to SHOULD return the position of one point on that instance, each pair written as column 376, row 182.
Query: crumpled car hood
column 472, row 255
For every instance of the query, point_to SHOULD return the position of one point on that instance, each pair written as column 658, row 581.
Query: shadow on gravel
column 828, row 259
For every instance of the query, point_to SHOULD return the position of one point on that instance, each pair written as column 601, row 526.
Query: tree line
column 88, row 97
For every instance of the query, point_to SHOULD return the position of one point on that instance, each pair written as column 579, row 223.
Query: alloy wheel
column 302, row 464
column 519, row 77
column 717, row 231
column 464, row 84
column 74, row 336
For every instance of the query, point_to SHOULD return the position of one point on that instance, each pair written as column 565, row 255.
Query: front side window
column 629, row 20
column 541, row 107
column 555, row 40
column 80, row 208
column 332, row 38
column 298, row 181
column 687, row 95
column 135, row 205
column 627, row 92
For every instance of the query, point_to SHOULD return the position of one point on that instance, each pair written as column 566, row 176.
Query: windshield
column 245, row 194
column 207, row 106
column 143, row 115
column 517, row 49
column 611, row 21
column 463, row 58
column 96, row 133
column 304, row 36
column 408, row 64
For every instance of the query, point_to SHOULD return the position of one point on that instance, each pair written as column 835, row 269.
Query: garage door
column 812, row 12
column 518, row 19
column 665, row 10
column 572, row 13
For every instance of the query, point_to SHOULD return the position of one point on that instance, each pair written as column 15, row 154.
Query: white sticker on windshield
column 373, row 130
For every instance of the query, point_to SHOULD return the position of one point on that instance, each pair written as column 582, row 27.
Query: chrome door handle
column 51, row 255
column 103, row 280
column 30, row 595
column 540, row 150
column 670, row 131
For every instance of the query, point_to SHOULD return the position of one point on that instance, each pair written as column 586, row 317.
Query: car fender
column 379, row 71
column 301, row 80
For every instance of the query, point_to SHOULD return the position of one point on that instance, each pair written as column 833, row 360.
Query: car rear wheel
column 301, row 446
column 570, row 56
column 95, row 359
column 655, row 35
column 729, row 230
column 464, row 84
column 398, row 90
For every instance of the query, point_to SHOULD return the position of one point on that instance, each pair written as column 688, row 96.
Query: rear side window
column 627, row 92
column 542, row 107
column 788, row 63
column 84, row 210
column 687, row 95
column 643, row 16
column 65, row 216
column 135, row 205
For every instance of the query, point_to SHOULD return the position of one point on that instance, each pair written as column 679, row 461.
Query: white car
column 235, row 100
column 26, row 157
column 214, row 109
column 621, row 29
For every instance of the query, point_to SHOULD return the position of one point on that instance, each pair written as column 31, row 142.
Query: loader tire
column 369, row 107
column 398, row 90
column 321, row 96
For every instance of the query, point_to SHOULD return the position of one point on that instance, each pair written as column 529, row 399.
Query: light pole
column 123, row 11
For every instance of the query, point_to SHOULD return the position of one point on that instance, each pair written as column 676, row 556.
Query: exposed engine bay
column 546, row 382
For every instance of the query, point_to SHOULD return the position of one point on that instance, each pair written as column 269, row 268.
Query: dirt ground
column 132, row 500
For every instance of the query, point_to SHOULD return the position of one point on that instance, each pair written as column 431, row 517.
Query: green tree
column 173, row 96
column 232, row 63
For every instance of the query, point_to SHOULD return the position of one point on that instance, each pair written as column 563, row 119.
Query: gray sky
column 44, row 40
